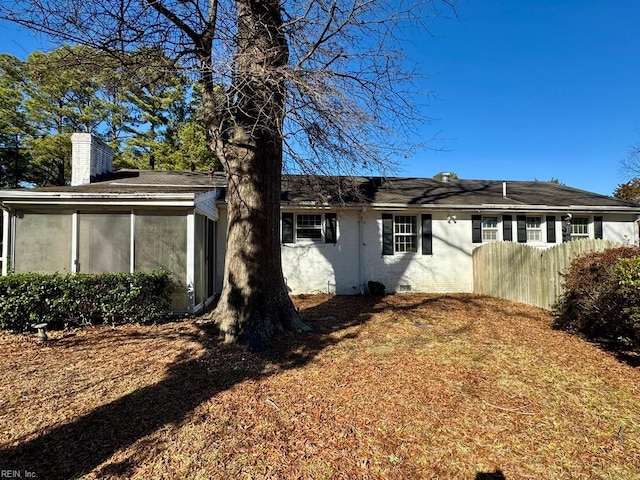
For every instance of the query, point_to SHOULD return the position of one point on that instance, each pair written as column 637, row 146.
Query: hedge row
column 602, row 297
column 64, row 299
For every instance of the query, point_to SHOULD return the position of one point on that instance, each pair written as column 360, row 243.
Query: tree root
column 298, row 326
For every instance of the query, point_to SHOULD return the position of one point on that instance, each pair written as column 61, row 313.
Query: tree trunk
column 254, row 303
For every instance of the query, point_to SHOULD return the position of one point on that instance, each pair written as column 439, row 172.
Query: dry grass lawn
column 406, row 387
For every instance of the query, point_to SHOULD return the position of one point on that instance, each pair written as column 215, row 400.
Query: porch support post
column 191, row 226
column 6, row 218
column 132, row 245
column 74, row 242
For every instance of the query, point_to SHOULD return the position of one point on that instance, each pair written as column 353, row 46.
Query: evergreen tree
column 629, row 191
column 14, row 160
column 152, row 119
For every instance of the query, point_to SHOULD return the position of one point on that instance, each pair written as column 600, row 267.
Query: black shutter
column 330, row 228
column 427, row 237
column 551, row 229
column 476, row 228
column 597, row 227
column 387, row 234
column 522, row 228
column 287, row 228
column 507, row 228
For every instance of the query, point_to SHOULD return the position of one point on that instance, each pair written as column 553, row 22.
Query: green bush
column 62, row 300
column 602, row 297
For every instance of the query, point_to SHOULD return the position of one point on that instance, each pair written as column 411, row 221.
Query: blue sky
column 533, row 89
column 522, row 90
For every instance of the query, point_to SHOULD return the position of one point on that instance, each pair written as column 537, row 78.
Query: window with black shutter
column 507, row 228
column 387, row 234
column 597, row 227
column 427, row 237
column 287, row 228
column 330, row 228
column 522, row 228
column 401, row 234
column 476, row 228
column 551, row 229
column 309, row 227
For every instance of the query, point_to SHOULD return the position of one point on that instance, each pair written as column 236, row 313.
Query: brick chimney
column 90, row 158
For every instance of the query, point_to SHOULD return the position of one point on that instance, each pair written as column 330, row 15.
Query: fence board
column 521, row 273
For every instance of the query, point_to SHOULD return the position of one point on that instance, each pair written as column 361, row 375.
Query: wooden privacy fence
column 530, row 275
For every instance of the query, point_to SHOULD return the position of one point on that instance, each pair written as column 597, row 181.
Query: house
column 411, row 234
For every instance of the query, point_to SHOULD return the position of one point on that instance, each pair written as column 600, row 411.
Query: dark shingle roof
column 429, row 191
column 147, row 181
column 379, row 191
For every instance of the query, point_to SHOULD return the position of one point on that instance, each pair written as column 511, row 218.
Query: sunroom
column 106, row 227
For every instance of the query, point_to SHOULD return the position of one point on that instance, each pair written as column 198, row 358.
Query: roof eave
column 17, row 199
column 508, row 207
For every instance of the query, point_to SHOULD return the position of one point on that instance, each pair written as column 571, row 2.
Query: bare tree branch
column 311, row 86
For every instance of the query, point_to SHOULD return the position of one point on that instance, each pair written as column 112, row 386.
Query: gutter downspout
column 360, row 250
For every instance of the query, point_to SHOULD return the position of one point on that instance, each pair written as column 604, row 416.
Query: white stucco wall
column 347, row 266
column 343, row 268
column 318, row 267
column 620, row 228
column 448, row 269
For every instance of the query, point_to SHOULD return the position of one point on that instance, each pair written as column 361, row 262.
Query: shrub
column 60, row 300
column 601, row 299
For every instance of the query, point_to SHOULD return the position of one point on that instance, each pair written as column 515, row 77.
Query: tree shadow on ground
column 630, row 358
column 620, row 352
column 76, row 448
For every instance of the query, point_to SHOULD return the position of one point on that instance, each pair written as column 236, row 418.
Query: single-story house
column 411, row 234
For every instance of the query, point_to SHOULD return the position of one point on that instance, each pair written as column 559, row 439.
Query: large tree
column 150, row 113
column 629, row 191
column 59, row 98
column 13, row 125
column 320, row 84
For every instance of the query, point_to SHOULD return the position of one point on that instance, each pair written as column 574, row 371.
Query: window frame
column 586, row 233
column 308, row 227
column 422, row 234
column 493, row 229
column 328, row 228
column 530, row 230
column 411, row 235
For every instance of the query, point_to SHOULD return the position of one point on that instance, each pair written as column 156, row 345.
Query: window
column 489, row 229
column 161, row 242
column 485, row 229
column 309, row 226
column 534, row 229
column 405, row 229
column 400, row 234
column 45, row 242
column 314, row 227
column 103, row 240
column 579, row 227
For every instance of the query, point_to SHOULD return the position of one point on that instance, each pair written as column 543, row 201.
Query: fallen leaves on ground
column 407, row 386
